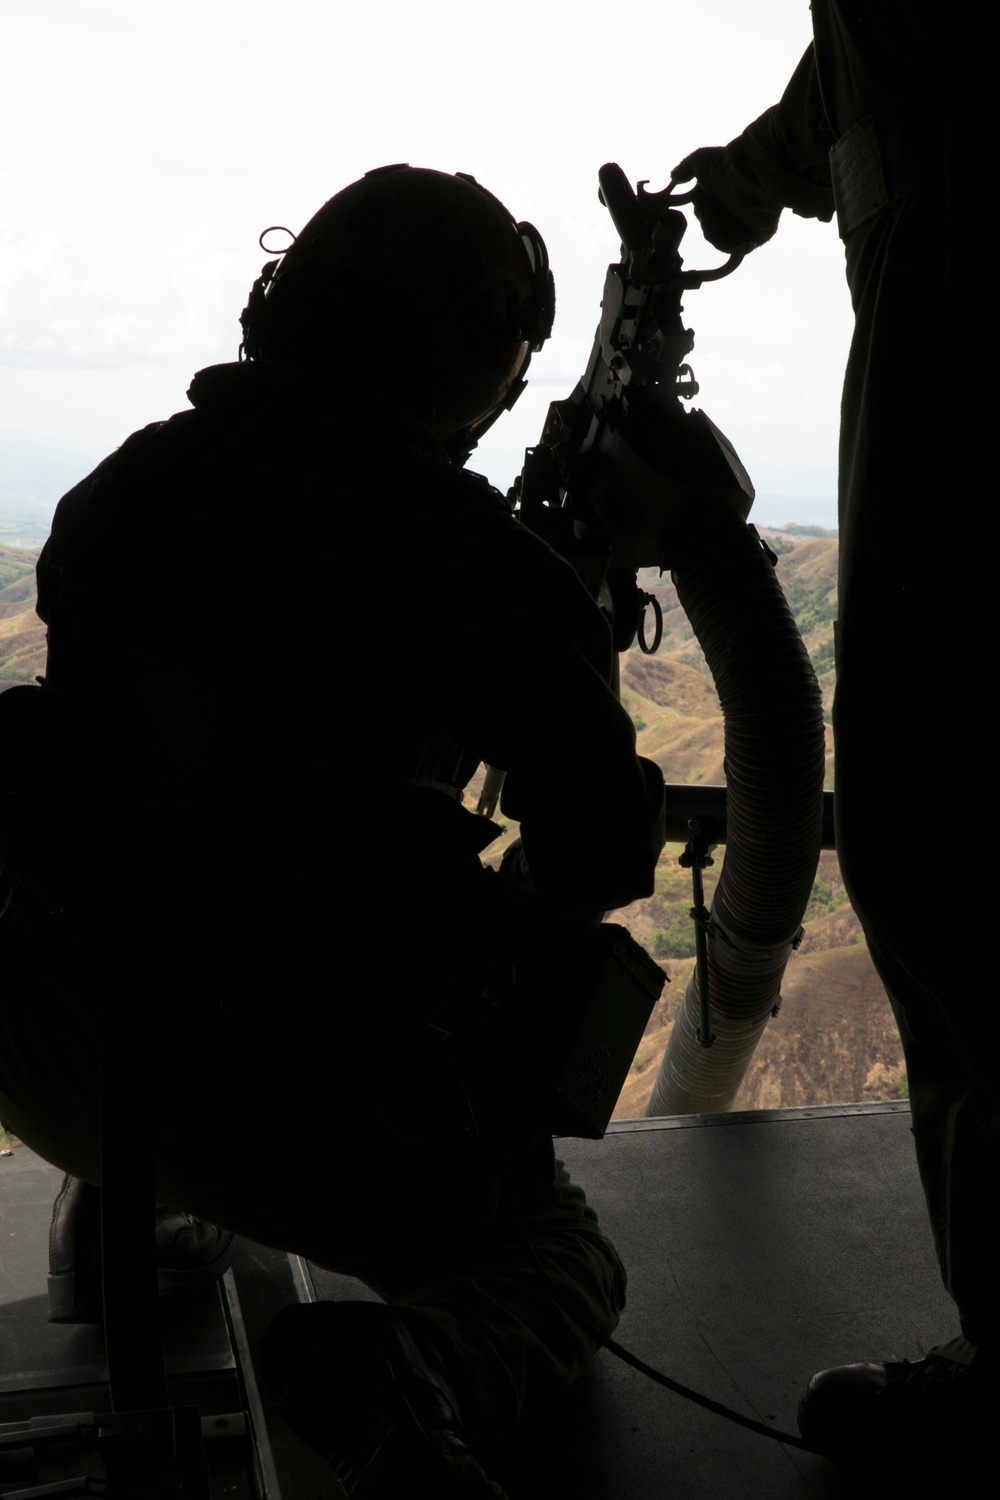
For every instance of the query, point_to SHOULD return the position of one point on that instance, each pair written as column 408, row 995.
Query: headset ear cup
column 548, row 310
column 543, row 286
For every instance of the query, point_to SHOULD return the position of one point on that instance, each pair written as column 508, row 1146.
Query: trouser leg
column 520, row 1336
column 955, row 1131
column 926, row 953
column 912, row 739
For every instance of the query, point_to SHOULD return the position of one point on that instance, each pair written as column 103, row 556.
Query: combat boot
column 190, row 1254
column 909, row 1413
column 357, row 1383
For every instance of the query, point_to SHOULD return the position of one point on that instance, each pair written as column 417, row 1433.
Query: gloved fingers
column 725, row 230
column 729, row 216
column 696, row 164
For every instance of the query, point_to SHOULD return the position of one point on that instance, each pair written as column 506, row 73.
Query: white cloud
column 155, row 141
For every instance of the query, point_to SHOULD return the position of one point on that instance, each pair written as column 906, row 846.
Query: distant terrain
column 835, row 1040
column 33, row 476
column 22, row 634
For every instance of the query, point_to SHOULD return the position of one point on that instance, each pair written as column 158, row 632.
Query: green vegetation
column 823, row 657
column 677, row 942
column 824, row 900
column 813, row 602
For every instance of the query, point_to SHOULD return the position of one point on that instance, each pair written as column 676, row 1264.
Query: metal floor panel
column 760, row 1248
column 48, row 1370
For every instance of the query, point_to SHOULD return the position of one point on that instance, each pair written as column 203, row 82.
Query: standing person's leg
column 904, row 739
column 910, row 725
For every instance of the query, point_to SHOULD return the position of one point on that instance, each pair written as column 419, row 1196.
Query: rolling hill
column 22, row 634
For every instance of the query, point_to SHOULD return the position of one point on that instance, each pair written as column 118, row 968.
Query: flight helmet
column 419, row 282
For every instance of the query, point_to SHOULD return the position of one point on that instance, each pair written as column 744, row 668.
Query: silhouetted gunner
column 885, row 122
column 244, row 795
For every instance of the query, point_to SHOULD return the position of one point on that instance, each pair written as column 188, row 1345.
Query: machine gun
column 622, row 466
column 625, row 477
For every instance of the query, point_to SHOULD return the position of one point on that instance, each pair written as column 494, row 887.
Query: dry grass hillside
column 22, row 634
column 834, row 1040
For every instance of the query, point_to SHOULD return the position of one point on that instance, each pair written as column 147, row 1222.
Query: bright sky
column 148, row 144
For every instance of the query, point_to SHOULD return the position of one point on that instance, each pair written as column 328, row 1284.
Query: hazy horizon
column 150, row 156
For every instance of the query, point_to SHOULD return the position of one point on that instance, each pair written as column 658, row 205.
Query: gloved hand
column 734, row 215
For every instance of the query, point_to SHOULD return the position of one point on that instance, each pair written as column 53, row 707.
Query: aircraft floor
column 761, row 1247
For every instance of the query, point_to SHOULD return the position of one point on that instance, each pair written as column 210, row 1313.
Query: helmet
column 419, row 281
